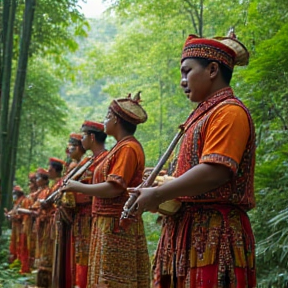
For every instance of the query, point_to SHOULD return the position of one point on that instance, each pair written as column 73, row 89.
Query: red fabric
column 68, row 259
column 81, row 275
column 24, row 254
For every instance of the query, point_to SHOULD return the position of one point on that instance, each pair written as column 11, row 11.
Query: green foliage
column 9, row 274
column 152, row 226
column 43, row 120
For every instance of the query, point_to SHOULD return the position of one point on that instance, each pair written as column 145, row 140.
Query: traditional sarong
column 15, row 239
column 118, row 258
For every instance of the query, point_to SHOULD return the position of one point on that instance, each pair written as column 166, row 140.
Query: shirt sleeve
column 124, row 166
column 226, row 136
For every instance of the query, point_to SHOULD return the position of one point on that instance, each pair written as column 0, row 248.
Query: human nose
column 184, row 82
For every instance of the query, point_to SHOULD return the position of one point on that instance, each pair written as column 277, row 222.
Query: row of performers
column 208, row 242
column 72, row 238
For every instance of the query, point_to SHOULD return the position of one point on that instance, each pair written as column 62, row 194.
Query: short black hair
column 99, row 136
column 57, row 166
column 44, row 177
column 127, row 126
column 225, row 71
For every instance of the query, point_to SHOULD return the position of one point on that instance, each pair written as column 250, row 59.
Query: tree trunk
column 8, row 24
column 14, row 119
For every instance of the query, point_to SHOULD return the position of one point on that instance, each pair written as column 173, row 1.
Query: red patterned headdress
column 225, row 50
column 58, row 161
column 92, row 126
column 129, row 109
column 17, row 189
column 75, row 139
column 41, row 171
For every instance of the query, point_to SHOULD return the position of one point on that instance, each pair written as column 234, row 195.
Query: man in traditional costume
column 93, row 139
column 117, row 258
column 63, row 271
column 80, row 204
column 46, row 223
column 16, row 219
column 62, row 276
column 28, row 237
column 209, row 242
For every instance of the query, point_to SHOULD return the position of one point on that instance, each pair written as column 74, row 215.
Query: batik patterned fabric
column 14, row 247
column 118, row 258
column 46, row 235
column 27, row 244
column 209, row 242
column 82, row 225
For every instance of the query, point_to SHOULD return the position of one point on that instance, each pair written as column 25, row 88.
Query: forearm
column 198, row 180
column 100, row 190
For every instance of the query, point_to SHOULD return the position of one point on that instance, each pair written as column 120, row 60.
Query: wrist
column 159, row 195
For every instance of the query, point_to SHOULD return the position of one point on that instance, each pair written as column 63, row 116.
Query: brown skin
column 75, row 152
column 113, row 128
column 201, row 84
column 32, row 185
column 53, row 174
column 41, row 182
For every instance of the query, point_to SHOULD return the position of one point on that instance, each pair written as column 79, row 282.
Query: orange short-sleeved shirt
column 226, row 134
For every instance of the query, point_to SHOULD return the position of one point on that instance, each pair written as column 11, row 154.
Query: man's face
column 40, row 181
column 73, row 151
column 86, row 141
column 52, row 174
column 109, row 122
column 16, row 195
column 195, row 80
column 32, row 183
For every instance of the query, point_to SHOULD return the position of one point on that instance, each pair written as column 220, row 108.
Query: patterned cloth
column 46, row 234
column 209, row 242
column 14, row 247
column 118, row 258
column 82, row 225
column 27, row 242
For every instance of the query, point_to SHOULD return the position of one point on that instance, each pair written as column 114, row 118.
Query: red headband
column 57, row 161
column 17, row 188
column 210, row 49
column 42, row 171
column 92, row 126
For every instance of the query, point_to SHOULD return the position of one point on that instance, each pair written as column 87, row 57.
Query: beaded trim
column 208, row 52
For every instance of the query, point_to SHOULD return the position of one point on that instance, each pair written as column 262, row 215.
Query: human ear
column 214, row 69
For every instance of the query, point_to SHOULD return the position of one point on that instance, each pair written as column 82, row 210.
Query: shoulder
column 230, row 111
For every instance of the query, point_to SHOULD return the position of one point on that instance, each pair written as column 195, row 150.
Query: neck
column 216, row 88
column 121, row 135
column 97, row 149
column 77, row 158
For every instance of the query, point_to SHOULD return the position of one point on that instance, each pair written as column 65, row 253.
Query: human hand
column 71, row 186
column 146, row 201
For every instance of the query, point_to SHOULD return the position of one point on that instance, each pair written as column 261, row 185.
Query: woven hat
column 92, row 126
column 225, row 50
column 75, row 139
column 242, row 54
column 129, row 109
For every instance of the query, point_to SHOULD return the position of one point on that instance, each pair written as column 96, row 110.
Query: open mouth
column 187, row 92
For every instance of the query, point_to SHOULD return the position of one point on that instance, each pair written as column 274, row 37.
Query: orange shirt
column 226, row 133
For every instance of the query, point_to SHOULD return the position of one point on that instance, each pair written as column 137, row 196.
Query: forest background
column 76, row 66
